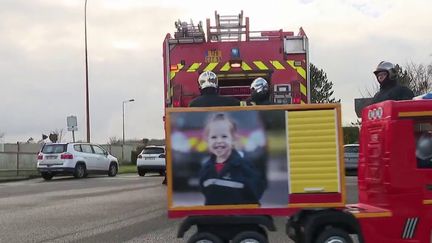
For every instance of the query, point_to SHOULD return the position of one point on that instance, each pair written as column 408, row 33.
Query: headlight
column 256, row 139
column 180, row 142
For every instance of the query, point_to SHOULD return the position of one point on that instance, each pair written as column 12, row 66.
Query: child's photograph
column 229, row 158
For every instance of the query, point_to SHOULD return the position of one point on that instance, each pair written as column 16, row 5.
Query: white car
column 77, row 159
column 151, row 159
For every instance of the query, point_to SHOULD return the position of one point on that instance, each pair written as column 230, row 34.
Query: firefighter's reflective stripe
column 300, row 70
column 225, row 183
column 194, row 67
column 226, row 67
column 245, row 66
column 277, row 65
column 409, row 229
column 211, row 66
column 174, row 72
column 260, row 65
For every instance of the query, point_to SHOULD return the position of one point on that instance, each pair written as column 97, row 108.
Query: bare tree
column 2, row 134
column 114, row 140
column 420, row 77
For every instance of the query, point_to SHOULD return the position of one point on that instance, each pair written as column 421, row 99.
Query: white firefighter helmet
column 388, row 67
column 259, row 86
column 208, row 79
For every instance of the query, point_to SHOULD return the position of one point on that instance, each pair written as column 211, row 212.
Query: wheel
column 162, row 172
column 112, row 171
column 333, row 235
column 141, row 172
column 204, row 237
column 47, row 176
column 249, row 237
column 80, row 171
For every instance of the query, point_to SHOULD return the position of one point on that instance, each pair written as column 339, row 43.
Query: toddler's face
column 220, row 140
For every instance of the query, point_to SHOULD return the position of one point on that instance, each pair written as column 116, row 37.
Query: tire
column 113, row 169
column 249, row 237
column 141, row 172
column 80, row 171
column 204, row 237
column 333, row 235
column 47, row 176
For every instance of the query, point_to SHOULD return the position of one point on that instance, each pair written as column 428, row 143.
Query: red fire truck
column 237, row 55
column 394, row 179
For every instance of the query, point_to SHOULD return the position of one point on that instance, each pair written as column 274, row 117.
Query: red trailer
column 394, row 177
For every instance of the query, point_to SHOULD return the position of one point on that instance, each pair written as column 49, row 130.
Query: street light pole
column 86, row 71
column 123, row 109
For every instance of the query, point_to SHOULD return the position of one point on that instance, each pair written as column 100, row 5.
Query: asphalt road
column 126, row 208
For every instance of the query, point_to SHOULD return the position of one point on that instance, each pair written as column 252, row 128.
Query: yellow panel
column 313, row 151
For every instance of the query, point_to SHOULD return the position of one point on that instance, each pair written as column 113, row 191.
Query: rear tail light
column 66, row 156
column 40, row 157
column 140, row 156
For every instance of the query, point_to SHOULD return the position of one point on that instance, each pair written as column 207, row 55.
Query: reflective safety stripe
column 299, row 70
column 194, row 67
column 277, row 65
column 303, row 89
column 173, row 73
column 211, row 66
column 225, row 183
column 226, row 67
column 245, row 67
column 409, row 229
column 260, row 65
column 243, row 103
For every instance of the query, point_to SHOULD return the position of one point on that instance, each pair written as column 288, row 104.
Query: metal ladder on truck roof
column 227, row 28
column 188, row 33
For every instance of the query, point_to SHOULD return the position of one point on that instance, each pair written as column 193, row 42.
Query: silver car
column 351, row 157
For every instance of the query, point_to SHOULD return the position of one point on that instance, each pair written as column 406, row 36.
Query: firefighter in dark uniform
column 208, row 84
column 260, row 93
column 390, row 89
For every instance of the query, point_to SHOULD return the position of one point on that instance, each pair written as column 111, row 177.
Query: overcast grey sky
column 42, row 73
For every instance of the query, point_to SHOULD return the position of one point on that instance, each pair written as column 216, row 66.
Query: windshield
column 153, row 151
column 54, row 148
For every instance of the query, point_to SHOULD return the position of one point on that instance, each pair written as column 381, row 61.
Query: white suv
column 77, row 159
column 151, row 159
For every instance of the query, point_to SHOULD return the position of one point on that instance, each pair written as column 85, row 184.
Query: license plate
column 150, row 158
column 51, row 156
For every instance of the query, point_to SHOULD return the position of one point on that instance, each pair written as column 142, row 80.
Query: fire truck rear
column 237, row 55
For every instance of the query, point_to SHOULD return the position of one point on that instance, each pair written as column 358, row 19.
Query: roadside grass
column 127, row 168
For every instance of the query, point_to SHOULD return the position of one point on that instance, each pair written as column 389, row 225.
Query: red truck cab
column 391, row 177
